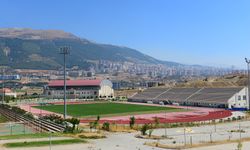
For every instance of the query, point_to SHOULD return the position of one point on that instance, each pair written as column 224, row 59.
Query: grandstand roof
column 75, row 83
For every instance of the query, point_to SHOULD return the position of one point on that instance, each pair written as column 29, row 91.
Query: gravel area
column 216, row 132
column 233, row 146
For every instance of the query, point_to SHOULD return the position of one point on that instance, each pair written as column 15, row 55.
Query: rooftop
column 75, row 83
column 6, row 90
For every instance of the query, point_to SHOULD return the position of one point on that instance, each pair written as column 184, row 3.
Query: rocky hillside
column 224, row 81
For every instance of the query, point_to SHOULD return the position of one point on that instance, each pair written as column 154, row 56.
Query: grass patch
column 3, row 119
column 106, row 109
column 91, row 135
column 27, row 136
column 43, row 143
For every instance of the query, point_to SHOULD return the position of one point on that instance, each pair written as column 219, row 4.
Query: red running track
column 218, row 114
column 194, row 114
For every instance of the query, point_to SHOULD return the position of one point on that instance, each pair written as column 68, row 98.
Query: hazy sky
column 207, row 32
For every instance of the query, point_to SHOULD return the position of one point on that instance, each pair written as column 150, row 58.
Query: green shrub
column 105, row 126
column 233, row 118
column 74, row 122
column 29, row 115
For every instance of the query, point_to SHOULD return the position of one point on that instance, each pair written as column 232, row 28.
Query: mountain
column 39, row 49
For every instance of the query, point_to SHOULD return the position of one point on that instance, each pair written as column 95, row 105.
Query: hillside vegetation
column 224, row 81
column 39, row 49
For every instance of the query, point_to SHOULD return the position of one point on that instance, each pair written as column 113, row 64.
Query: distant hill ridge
column 26, row 48
column 27, row 33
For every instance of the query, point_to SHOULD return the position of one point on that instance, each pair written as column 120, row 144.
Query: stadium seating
column 209, row 96
column 150, row 93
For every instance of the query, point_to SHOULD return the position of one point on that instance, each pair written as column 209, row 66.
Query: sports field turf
column 106, row 109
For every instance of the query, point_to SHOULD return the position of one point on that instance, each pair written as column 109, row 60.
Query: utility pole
column 248, row 81
column 65, row 51
column 3, row 92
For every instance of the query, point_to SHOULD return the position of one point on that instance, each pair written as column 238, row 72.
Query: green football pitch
column 106, row 109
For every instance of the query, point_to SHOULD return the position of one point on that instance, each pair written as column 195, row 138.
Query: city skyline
column 211, row 33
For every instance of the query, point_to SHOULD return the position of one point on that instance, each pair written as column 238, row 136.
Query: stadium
column 167, row 104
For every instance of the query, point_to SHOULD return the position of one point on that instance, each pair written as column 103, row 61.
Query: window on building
column 244, row 97
column 239, row 97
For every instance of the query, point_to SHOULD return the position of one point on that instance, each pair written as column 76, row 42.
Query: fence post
column 185, row 137
column 50, row 141
column 211, row 138
column 240, row 131
column 24, row 128
column 11, row 129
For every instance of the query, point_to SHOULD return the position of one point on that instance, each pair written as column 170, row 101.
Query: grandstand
column 232, row 98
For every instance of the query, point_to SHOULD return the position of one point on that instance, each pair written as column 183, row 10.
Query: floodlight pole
column 65, row 51
column 248, row 81
column 165, row 122
column 3, row 94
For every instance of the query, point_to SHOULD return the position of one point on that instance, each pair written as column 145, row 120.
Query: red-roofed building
column 8, row 92
column 80, row 89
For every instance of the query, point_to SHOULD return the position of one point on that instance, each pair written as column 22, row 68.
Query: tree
column 144, row 129
column 132, row 122
column 239, row 145
column 91, row 126
column 98, row 118
column 156, row 121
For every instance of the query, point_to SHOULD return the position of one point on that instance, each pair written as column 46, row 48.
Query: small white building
column 80, row 89
column 239, row 100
